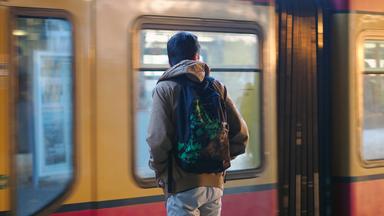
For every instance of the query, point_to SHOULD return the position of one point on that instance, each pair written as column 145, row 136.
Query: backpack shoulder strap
column 220, row 88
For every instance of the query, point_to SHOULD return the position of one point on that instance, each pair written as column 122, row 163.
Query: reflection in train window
column 44, row 111
column 234, row 60
column 373, row 131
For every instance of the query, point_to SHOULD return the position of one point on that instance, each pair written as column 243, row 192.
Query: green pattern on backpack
column 203, row 129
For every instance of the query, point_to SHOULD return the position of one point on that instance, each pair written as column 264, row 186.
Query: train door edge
column 39, row 30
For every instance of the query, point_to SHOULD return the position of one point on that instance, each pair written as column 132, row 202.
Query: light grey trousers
column 204, row 201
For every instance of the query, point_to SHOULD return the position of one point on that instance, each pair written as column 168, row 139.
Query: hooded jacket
column 162, row 130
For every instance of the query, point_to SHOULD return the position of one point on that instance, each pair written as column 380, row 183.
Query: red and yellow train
column 75, row 90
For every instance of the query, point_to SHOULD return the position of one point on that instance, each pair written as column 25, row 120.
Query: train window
column 229, row 55
column 44, row 110
column 373, row 79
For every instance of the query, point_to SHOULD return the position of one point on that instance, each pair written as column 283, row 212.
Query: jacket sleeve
column 238, row 130
column 160, row 133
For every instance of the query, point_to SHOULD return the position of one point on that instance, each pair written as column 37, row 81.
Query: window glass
column 234, row 60
column 373, row 131
column 374, row 55
column 218, row 50
column 44, row 111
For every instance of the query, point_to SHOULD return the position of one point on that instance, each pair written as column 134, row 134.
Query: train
column 76, row 78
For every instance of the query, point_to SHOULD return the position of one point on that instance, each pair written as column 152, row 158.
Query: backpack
column 202, row 144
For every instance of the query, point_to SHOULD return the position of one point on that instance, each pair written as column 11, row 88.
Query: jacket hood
column 195, row 71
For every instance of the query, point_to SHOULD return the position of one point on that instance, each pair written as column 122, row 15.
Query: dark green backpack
column 202, row 129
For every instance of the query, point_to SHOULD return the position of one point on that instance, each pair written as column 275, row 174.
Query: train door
column 4, row 113
column 37, row 108
column 358, row 107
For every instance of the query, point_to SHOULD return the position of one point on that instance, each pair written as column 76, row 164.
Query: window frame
column 364, row 36
column 202, row 25
column 43, row 13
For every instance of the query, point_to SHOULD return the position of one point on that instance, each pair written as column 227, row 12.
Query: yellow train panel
column 348, row 68
column 4, row 112
column 115, row 86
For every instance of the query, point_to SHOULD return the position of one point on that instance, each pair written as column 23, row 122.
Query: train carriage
column 357, row 68
column 76, row 79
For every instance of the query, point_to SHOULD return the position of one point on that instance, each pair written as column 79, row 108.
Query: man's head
column 183, row 46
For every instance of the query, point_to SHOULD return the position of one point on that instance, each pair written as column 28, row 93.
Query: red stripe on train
column 358, row 5
column 359, row 198
column 263, row 203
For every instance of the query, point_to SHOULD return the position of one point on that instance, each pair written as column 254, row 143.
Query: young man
column 187, row 193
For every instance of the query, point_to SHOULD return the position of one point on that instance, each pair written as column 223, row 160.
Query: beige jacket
column 162, row 130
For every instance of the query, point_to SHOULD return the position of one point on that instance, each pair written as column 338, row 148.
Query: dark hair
column 182, row 46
